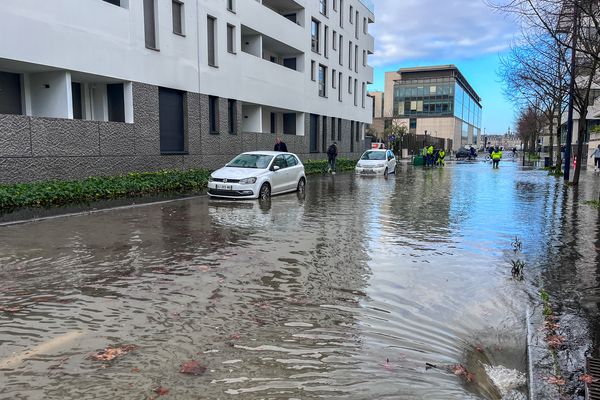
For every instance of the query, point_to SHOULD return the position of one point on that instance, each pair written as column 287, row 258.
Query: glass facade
column 438, row 97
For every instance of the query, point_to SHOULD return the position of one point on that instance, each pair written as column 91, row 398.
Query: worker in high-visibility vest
column 430, row 155
column 441, row 156
column 496, row 157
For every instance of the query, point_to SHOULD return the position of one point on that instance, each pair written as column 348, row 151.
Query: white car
column 258, row 174
column 376, row 162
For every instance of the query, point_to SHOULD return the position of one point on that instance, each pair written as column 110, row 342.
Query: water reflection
column 345, row 291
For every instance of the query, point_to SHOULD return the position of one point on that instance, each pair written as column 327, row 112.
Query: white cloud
column 408, row 30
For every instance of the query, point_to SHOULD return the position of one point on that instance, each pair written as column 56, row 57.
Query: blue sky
column 466, row 33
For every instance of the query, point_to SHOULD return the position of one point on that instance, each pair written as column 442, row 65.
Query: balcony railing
column 369, row 4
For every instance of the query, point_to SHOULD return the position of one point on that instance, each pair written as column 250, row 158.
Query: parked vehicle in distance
column 376, row 162
column 465, row 152
column 258, row 174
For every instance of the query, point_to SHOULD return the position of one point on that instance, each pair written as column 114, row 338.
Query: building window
column 355, row 92
column 326, row 41
column 171, row 117
column 322, row 81
column 356, row 58
column 211, row 25
column 273, row 123
column 340, row 86
column 150, row 24
column 312, row 71
column 213, row 114
column 323, row 7
column 365, row 26
column 341, row 50
column 334, row 41
column 339, row 132
column 178, row 17
column 363, row 95
column 113, row 2
column 333, row 78
column 412, row 123
column 289, row 123
column 314, row 32
column 232, row 116
column 333, row 128
column 356, row 26
column 364, row 58
column 116, row 102
column 75, row 95
column 231, row 38
column 324, row 134
column 341, row 13
column 231, row 5
column 351, row 16
column 350, row 84
column 335, row 5
column 350, row 55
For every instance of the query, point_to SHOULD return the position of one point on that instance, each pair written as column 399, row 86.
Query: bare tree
column 574, row 25
column 529, row 125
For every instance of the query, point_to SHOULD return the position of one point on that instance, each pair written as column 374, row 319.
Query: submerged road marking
column 43, row 348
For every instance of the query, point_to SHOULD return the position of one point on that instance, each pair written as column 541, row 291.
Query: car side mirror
column 275, row 168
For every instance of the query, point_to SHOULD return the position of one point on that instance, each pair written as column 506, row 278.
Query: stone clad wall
column 36, row 149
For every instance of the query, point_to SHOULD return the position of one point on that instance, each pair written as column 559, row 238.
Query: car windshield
column 258, row 161
column 373, row 155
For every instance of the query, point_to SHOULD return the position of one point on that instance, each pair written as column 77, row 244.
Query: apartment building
column 100, row 87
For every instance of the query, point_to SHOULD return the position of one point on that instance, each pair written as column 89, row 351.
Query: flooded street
column 344, row 293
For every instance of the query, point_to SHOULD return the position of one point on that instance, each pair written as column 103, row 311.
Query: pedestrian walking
column 496, row 157
column 596, row 155
column 280, row 146
column 332, row 153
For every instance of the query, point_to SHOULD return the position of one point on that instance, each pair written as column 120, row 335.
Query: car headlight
column 247, row 181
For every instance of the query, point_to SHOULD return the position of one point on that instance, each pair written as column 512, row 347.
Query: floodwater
column 346, row 292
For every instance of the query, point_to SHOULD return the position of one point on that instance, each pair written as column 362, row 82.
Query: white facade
column 97, row 43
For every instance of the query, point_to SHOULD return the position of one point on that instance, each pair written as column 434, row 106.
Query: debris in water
column 587, row 378
column 555, row 341
column 460, row 370
column 192, row 367
column 556, row 380
column 161, row 391
column 387, row 365
column 10, row 310
column 110, row 353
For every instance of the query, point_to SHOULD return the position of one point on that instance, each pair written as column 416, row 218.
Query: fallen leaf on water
column 161, row 391
column 235, row 336
column 551, row 325
column 460, row 370
column 555, row 341
column 110, row 353
column 556, row 380
column 135, row 370
column 387, row 365
column 10, row 309
column 192, row 367
column 587, row 378
column 203, row 268
column 479, row 349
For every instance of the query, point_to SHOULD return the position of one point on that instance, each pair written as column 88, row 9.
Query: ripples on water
column 346, row 293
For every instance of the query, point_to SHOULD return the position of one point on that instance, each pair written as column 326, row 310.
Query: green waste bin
column 418, row 160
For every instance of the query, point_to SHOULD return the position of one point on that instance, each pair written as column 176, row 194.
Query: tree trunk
column 580, row 137
column 558, row 141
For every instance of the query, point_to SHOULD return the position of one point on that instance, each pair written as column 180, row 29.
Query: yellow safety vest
column 430, row 150
column 442, row 154
column 496, row 155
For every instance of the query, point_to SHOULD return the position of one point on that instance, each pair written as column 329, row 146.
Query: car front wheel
column 301, row 185
column 385, row 173
column 265, row 191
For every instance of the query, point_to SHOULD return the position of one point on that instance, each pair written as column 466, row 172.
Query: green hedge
column 312, row 167
column 49, row 193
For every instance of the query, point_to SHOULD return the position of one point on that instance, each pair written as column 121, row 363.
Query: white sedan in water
column 258, row 174
column 376, row 162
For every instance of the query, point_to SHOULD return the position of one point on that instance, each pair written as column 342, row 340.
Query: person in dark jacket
column 332, row 153
column 280, row 146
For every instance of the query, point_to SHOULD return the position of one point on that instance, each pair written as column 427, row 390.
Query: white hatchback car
column 258, row 174
column 376, row 162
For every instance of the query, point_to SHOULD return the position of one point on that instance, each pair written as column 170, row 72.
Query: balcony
column 288, row 9
column 272, row 50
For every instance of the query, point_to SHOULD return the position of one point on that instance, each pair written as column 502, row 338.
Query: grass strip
column 312, row 167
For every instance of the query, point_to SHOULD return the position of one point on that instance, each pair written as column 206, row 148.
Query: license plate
column 224, row 187
column 368, row 171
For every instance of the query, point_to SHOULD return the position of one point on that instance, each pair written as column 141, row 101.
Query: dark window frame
column 213, row 115
column 180, row 15
column 211, row 40
column 232, row 116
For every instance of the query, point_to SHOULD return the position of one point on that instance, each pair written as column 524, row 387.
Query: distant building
column 435, row 102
